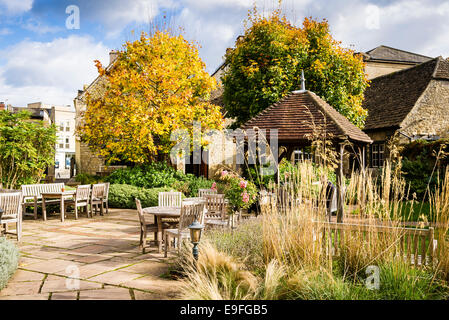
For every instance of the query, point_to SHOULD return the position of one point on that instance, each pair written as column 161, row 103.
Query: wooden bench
column 34, row 192
column 415, row 245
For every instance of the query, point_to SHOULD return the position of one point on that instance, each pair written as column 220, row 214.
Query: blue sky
column 42, row 60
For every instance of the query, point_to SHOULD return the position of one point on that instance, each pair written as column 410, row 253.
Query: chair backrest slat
column 140, row 212
column 189, row 213
column 169, row 199
column 82, row 192
column 216, row 206
column 98, row 190
column 204, row 192
column 11, row 204
column 106, row 190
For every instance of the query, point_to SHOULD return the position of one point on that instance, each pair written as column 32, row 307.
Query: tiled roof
column 385, row 53
column 391, row 97
column 294, row 114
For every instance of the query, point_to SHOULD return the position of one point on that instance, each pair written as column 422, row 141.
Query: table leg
column 44, row 209
column 62, row 209
column 159, row 234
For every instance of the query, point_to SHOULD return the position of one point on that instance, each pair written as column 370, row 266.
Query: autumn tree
column 266, row 64
column 156, row 85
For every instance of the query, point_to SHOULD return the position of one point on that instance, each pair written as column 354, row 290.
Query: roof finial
column 303, row 83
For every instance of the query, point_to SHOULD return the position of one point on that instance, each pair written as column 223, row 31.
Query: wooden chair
column 170, row 199
column 106, row 196
column 11, row 204
column 97, row 198
column 189, row 213
column 81, row 199
column 216, row 208
column 203, row 192
column 146, row 227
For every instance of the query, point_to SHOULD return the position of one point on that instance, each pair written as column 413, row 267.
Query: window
column 302, row 154
column 61, row 126
column 67, row 128
column 377, row 155
column 67, row 143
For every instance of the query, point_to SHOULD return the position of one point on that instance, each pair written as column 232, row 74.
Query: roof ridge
column 335, row 116
column 440, row 61
column 414, row 53
column 319, row 101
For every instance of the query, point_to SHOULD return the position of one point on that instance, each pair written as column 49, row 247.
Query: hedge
column 124, row 195
column 9, row 260
column 159, row 175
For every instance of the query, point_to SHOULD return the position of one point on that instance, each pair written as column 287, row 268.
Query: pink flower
column 243, row 184
column 245, row 197
column 214, row 186
column 224, row 173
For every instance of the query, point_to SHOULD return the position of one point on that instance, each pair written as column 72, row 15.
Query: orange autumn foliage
column 157, row 84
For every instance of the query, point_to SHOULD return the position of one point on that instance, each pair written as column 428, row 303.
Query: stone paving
column 89, row 258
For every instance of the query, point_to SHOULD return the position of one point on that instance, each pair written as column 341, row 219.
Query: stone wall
column 430, row 116
column 377, row 69
column 222, row 153
column 86, row 160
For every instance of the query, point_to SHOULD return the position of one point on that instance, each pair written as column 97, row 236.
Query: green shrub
column 9, row 260
column 85, row 178
column 157, row 175
column 418, row 162
column 123, row 196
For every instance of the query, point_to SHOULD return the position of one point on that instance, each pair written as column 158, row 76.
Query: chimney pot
column 112, row 56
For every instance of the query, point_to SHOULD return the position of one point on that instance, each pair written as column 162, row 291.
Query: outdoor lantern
column 196, row 229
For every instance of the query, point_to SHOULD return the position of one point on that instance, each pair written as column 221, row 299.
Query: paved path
column 88, row 258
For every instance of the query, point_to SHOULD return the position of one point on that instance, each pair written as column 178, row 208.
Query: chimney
column 303, row 84
column 112, row 56
column 2, row 106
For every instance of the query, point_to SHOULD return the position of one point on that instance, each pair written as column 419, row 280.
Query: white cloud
column 16, row 6
column 49, row 71
column 5, row 31
column 38, row 27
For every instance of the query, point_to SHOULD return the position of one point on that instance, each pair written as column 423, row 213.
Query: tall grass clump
column 292, row 251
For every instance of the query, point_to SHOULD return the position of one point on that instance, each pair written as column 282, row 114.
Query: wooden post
column 363, row 171
column 340, row 184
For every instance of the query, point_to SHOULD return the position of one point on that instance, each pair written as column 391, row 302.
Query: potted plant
column 240, row 193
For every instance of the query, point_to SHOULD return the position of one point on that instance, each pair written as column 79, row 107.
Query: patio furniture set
column 13, row 204
column 173, row 216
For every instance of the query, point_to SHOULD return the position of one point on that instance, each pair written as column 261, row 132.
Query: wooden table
column 56, row 195
column 159, row 213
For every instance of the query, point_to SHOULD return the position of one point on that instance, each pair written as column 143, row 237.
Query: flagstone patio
column 102, row 253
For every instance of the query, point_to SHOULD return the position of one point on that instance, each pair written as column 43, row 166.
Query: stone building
column 384, row 60
column 63, row 117
column 414, row 103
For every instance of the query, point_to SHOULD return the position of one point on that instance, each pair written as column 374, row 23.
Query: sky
column 46, row 55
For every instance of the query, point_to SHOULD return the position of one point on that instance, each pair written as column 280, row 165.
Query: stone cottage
column 414, row 103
